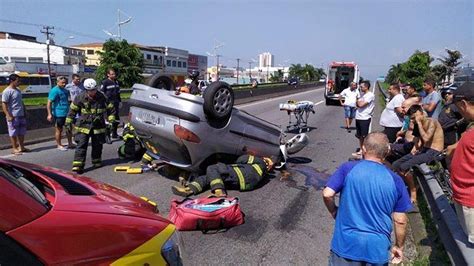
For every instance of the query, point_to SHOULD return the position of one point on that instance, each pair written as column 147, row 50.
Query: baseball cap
column 465, row 92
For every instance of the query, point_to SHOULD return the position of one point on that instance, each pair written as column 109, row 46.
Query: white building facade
column 266, row 60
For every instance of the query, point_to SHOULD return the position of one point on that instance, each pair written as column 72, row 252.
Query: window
column 168, row 63
column 18, row 59
column 3, row 81
column 44, row 81
column 35, row 81
column 35, row 59
column 184, row 65
column 148, row 56
column 155, row 57
column 174, row 63
column 179, row 63
column 90, row 51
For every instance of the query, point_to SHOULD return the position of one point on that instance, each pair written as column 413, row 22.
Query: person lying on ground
column 245, row 174
column 428, row 146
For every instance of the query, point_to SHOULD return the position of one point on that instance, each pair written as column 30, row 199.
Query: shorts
column 336, row 260
column 466, row 219
column 408, row 161
column 59, row 121
column 362, row 128
column 349, row 112
column 17, row 127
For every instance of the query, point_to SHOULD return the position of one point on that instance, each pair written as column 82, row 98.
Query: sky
column 373, row 33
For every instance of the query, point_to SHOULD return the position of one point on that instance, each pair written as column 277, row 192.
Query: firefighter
column 90, row 107
column 245, row 174
column 110, row 87
column 132, row 147
column 192, row 85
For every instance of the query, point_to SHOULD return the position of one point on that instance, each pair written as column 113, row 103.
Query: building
column 153, row 59
column 199, row 63
column 90, row 50
column 22, row 48
column 266, row 60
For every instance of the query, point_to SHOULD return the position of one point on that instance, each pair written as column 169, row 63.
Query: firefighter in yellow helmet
column 90, row 107
column 245, row 174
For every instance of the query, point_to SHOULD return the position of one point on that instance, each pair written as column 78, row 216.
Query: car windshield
column 33, row 188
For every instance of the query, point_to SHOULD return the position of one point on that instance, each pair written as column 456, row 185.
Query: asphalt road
column 286, row 221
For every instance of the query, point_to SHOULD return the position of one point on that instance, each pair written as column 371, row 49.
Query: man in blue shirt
column 75, row 87
column 431, row 102
column 58, row 107
column 371, row 195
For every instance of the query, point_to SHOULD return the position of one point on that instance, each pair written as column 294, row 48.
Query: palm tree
column 394, row 73
column 451, row 62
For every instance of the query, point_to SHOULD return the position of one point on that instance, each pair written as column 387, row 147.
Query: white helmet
column 90, row 84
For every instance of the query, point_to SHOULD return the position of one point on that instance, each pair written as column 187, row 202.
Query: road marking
column 318, row 103
column 277, row 98
column 8, row 156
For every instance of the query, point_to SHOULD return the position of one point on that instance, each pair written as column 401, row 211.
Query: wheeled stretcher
column 300, row 110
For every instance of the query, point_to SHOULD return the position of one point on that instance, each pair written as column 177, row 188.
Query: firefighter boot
column 78, row 169
column 182, row 191
column 114, row 130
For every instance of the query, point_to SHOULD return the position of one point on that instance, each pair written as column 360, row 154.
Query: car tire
column 162, row 82
column 218, row 100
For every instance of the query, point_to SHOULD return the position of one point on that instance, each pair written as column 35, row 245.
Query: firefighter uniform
column 132, row 147
column 111, row 89
column 245, row 174
column 90, row 123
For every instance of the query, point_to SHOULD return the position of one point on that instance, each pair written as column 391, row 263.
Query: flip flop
column 62, row 149
column 16, row 153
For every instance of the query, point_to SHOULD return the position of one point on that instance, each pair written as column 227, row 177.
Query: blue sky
column 374, row 33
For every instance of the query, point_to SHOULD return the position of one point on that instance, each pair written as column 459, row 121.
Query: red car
column 49, row 216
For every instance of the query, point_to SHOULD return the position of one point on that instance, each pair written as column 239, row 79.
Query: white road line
column 8, row 156
column 318, row 103
column 277, row 98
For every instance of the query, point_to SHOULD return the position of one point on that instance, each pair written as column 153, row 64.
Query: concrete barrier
column 36, row 115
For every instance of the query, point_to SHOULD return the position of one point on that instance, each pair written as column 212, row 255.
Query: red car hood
column 95, row 197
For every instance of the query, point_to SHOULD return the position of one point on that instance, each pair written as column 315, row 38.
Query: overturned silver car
column 192, row 132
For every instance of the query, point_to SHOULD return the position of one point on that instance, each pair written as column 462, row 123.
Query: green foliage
column 277, row 76
column 306, row 72
column 125, row 58
column 450, row 63
column 439, row 72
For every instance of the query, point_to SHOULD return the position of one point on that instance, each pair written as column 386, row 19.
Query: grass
column 438, row 254
column 42, row 101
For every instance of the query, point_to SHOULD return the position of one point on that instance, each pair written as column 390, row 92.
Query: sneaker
column 182, row 191
column 62, row 148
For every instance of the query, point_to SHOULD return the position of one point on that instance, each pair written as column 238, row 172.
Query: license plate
column 149, row 118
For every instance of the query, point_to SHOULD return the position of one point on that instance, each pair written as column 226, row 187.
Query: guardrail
column 454, row 239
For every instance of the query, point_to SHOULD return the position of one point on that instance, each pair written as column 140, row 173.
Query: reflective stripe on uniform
column 111, row 118
column 147, row 157
column 196, row 185
column 240, row 176
column 251, row 158
column 258, row 169
column 217, row 181
column 99, row 131
column 127, row 136
column 110, row 105
column 92, row 111
column 74, row 107
column 69, row 120
column 77, row 163
column 83, row 130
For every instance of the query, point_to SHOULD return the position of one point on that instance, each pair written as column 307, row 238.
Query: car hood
column 76, row 193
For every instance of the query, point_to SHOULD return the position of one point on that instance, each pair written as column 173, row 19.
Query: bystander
column 15, row 111
column 462, row 166
column 350, row 98
column 372, row 199
column 432, row 100
column 392, row 117
column 75, row 87
column 58, row 107
column 365, row 109
column 110, row 87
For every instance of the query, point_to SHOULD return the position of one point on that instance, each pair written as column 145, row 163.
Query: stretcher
column 300, row 110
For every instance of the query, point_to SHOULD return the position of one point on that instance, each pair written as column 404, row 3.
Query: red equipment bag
column 206, row 214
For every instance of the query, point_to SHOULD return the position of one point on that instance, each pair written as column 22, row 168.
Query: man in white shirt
column 365, row 109
column 350, row 98
column 392, row 118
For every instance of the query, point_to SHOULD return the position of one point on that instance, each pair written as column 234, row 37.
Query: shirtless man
column 429, row 144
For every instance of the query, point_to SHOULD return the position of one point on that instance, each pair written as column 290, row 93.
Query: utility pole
column 47, row 30
column 238, row 59
column 217, row 59
column 250, row 69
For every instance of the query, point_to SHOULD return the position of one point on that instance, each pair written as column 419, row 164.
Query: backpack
column 204, row 214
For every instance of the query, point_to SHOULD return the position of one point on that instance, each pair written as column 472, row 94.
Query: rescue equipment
column 300, row 110
column 204, row 214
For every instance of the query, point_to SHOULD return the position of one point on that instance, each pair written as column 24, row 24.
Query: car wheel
column 218, row 100
column 161, row 82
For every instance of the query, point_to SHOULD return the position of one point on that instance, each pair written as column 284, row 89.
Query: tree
column 295, row 70
column 393, row 74
column 450, row 63
column 439, row 72
column 277, row 76
column 413, row 71
column 125, row 58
